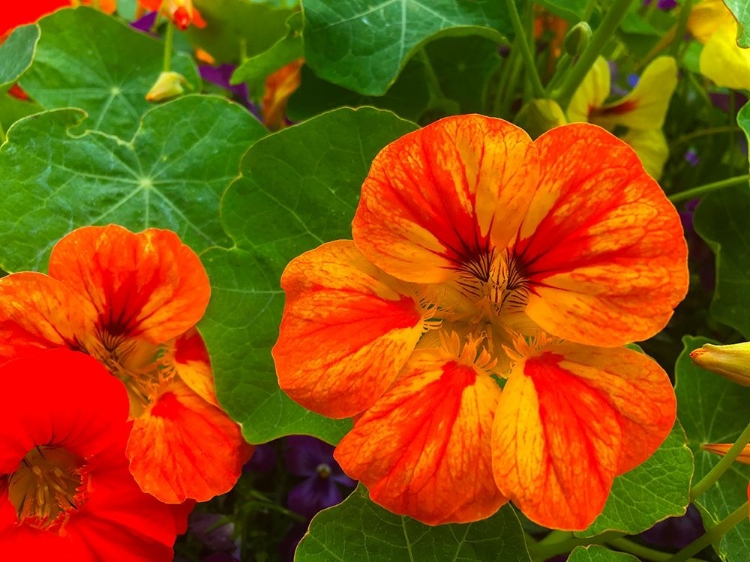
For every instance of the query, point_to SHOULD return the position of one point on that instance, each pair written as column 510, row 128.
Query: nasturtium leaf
column 358, row 529
column 17, row 53
column 90, row 60
column 299, row 188
column 236, row 27
column 569, row 9
column 12, row 109
column 362, row 45
column 741, row 11
column 595, row 553
column 464, row 66
column 721, row 220
column 408, row 97
column 655, row 490
column 170, row 175
column 715, row 410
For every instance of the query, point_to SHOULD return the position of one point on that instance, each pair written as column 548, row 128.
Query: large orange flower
column 65, row 489
column 459, row 326
column 132, row 301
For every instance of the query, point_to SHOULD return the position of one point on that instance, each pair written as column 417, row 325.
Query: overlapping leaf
column 358, row 526
column 362, row 45
column 599, row 554
column 170, row 175
column 714, row 410
column 90, row 60
column 299, row 188
column 657, row 489
column 17, row 52
column 741, row 10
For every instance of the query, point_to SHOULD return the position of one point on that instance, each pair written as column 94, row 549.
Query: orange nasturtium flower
column 458, row 327
column 21, row 13
column 279, row 87
column 181, row 12
column 132, row 301
column 65, row 489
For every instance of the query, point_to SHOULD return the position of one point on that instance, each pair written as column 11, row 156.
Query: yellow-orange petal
column 38, row 312
column 723, row 448
column 592, row 93
column 184, row 448
column 652, row 149
column 147, row 285
column 423, row 449
column 193, row 365
column 346, row 331
column 602, row 248
column 569, row 420
column 445, row 196
column 725, row 62
column 278, row 88
column 707, row 17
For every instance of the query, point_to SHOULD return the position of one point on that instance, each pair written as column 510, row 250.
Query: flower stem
column 704, row 132
column 522, row 43
column 708, row 188
column 642, row 552
column 542, row 551
column 682, row 20
column 168, row 42
column 726, row 461
column 599, row 39
column 712, row 535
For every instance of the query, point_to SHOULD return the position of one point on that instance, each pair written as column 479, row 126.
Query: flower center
column 48, row 485
column 495, row 283
column 324, row 471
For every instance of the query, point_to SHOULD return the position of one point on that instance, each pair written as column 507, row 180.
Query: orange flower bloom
column 458, row 325
column 181, row 12
column 21, row 13
column 278, row 89
column 65, row 489
column 132, row 301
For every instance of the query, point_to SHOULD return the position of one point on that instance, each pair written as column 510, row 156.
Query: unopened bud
column 577, row 39
column 168, row 85
column 723, row 448
column 539, row 116
column 729, row 361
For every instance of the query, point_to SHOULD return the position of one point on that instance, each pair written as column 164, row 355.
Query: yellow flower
column 729, row 361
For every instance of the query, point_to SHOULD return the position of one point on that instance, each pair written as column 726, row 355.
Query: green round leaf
column 17, row 53
column 657, row 489
column 358, row 529
column 362, row 45
column 299, row 188
column 90, row 60
column 714, row 410
column 596, row 553
column 170, row 175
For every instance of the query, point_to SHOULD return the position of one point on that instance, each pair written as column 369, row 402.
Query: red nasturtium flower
column 132, row 301
column 181, row 12
column 21, row 13
column 65, row 489
column 460, row 325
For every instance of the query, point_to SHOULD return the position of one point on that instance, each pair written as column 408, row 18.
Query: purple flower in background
column 663, row 4
column 220, row 557
column 676, row 532
column 145, row 24
column 289, row 543
column 214, row 535
column 263, row 460
column 313, row 460
column 723, row 101
column 220, row 75
column 692, row 157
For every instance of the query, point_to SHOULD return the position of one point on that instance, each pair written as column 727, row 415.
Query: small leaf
column 90, row 60
column 714, row 410
column 741, row 11
column 281, row 207
column 170, row 175
column 596, row 553
column 358, row 529
column 721, row 220
column 362, row 45
column 17, row 53
column 657, row 489
column 281, row 53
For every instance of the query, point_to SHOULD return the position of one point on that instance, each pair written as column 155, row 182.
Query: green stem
column 502, row 83
column 712, row 535
column 702, row 133
column 562, row 66
column 708, row 188
column 682, row 20
column 556, row 537
column 3, row 136
column 642, row 552
column 599, row 39
column 509, row 93
column 544, row 551
column 523, row 44
column 726, row 461
column 589, row 10
column 168, row 42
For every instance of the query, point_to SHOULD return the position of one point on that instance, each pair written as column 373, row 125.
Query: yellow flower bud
column 729, row 361
column 168, row 85
column 723, row 448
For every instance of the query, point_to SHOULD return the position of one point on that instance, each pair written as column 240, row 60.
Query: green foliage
column 80, row 62
column 657, row 489
column 359, row 525
column 284, row 51
column 741, row 11
column 170, row 175
column 599, row 554
column 714, row 410
column 363, row 46
column 299, row 188
column 17, row 53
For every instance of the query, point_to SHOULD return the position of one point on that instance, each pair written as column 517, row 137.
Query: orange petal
column 147, row 285
column 278, row 89
column 570, row 419
column 423, row 449
column 346, row 331
column 445, row 196
column 38, row 312
column 182, row 448
column 193, row 365
column 601, row 246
